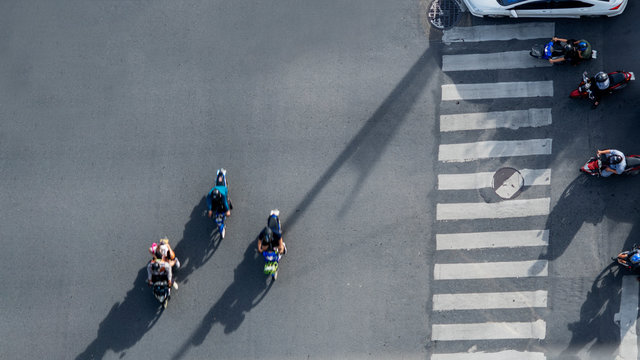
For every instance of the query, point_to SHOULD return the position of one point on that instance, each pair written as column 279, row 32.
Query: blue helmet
column 635, row 258
column 582, row 45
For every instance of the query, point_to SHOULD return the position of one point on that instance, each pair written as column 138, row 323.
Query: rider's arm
column 281, row 246
column 149, row 272
column 558, row 39
column 167, row 268
column 209, row 200
column 260, row 248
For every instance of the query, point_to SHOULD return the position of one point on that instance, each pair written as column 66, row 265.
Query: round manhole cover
column 507, row 183
column 443, row 14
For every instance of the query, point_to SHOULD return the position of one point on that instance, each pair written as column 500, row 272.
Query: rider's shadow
column 596, row 335
column 248, row 289
column 200, row 240
column 129, row 320
column 126, row 322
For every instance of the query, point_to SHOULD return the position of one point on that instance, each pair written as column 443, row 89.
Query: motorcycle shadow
column 248, row 289
column 596, row 335
column 127, row 321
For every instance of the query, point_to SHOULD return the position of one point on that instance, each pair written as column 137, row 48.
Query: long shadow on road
column 366, row 147
column 596, row 333
column 129, row 320
column 248, row 289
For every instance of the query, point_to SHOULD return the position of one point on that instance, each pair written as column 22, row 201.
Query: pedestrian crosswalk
column 485, row 297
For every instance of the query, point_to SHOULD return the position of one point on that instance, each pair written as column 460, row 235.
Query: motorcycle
column 624, row 258
column 162, row 292
column 552, row 49
column 272, row 258
column 595, row 165
column 617, row 80
column 221, row 180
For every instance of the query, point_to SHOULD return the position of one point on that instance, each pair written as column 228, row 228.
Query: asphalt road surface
column 115, row 116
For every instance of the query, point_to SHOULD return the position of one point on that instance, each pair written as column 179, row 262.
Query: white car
column 545, row 8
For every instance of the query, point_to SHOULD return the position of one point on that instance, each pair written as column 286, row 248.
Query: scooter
column 221, row 217
column 617, row 80
column 595, row 165
column 162, row 292
column 272, row 258
column 624, row 258
column 552, row 49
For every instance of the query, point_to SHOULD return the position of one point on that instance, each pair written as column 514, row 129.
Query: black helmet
column 602, row 80
column 216, row 194
column 615, row 159
column 155, row 266
column 568, row 47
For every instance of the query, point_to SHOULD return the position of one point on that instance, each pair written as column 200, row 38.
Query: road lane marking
column 486, row 240
column 525, row 31
column 502, row 355
column 489, row 331
column 493, row 149
column 497, row 300
column 493, row 61
column 628, row 317
column 532, row 177
column 498, row 210
column 490, row 270
column 498, row 90
column 513, row 119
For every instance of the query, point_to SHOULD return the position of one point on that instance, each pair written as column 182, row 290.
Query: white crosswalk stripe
column 502, row 355
column 498, row 300
column 489, row 330
column 498, row 210
column 484, row 293
column 494, row 61
column 491, row 270
column 532, row 177
column 513, row 119
column 493, row 149
column 499, row 90
column 496, row 239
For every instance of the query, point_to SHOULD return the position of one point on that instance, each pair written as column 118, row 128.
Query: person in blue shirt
column 615, row 162
column 218, row 198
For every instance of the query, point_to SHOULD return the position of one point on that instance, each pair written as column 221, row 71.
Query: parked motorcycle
column 627, row 260
column 221, row 180
column 617, row 81
column 595, row 165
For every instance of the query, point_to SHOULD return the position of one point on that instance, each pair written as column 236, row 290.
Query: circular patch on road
column 444, row 14
column 507, row 183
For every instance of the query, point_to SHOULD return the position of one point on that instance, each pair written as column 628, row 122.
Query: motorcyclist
column 270, row 238
column 631, row 258
column 601, row 80
column 164, row 252
column 158, row 270
column 574, row 50
column 218, row 198
column 613, row 163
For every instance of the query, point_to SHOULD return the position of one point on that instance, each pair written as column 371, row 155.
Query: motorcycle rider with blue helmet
column 614, row 162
